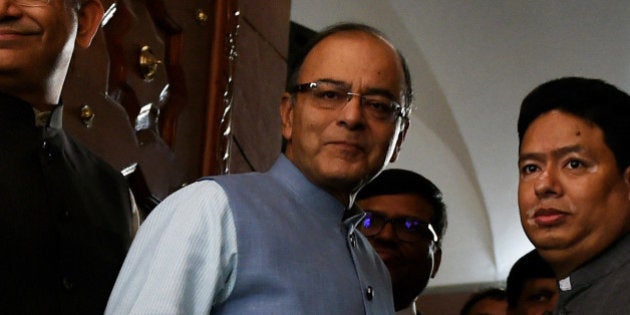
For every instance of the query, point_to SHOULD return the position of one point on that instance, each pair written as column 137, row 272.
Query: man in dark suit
column 66, row 214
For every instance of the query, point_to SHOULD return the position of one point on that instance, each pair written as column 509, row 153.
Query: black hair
column 491, row 293
column 530, row 266
column 295, row 67
column 593, row 100
column 399, row 181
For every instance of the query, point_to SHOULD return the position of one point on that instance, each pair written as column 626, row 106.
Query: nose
column 351, row 115
column 547, row 184
column 8, row 8
column 387, row 232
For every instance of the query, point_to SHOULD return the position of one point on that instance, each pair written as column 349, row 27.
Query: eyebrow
column 369, row 91
column 555, row 153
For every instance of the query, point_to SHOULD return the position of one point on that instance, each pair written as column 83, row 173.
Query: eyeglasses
column 334, row 96
column 407, row 229
column 31, row 3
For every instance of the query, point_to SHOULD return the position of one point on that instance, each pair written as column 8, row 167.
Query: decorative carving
column 148, row 63
column 87, row 115
column 228, row 97
column 201, row 17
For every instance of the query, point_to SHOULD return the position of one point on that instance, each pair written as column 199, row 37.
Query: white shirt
column 164, row 258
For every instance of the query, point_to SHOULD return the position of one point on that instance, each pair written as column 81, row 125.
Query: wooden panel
column 173, row 125
column 270, row 19
column 259, row 82
column 157, row 122
column 256, row 121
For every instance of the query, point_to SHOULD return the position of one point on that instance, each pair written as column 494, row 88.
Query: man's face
column 341, row 149
column 410, row 264
column 539, row 297
column 35, row 42
column 573, row 200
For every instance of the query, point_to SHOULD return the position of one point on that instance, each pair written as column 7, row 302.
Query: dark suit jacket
column 64, row 218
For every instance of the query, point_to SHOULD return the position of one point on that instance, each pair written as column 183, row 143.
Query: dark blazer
column 65, row 218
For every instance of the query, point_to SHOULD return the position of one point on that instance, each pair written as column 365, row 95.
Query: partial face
column 573, row 200
column 341, row 149
column 34, row 43
column 538, row 296
column 410, row 264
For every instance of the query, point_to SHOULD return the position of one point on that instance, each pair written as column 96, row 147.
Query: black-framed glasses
column 407, row 229
column 334, row 96
column 31, row 3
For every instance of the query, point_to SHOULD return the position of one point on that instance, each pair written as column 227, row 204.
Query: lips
column 346, row 147
column 15, row 28
column 549, row 217
column 11, row 36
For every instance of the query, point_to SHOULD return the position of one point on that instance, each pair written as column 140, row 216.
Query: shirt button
column 353, row 240
column 47, row 150
column 369, row 293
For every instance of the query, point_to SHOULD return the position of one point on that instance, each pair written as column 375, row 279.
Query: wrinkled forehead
column 355, row 57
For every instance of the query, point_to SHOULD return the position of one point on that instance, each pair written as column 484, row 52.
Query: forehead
column 556, row 129
column 399, row 205
column 539, row 284
column 354, row 57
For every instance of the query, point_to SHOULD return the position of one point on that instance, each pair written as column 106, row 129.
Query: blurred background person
column 410, row 245
column 492, row 301
column 531, row 286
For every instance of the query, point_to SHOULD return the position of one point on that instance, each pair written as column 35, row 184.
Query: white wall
column 472, row 62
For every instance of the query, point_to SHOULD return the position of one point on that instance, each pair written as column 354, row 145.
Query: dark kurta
column 64, row 218
column 601, row 285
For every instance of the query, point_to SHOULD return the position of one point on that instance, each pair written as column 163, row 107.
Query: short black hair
column 593, row 100
column 398, row 181
column 296, row 66
column 490, row 293
column 530, row 266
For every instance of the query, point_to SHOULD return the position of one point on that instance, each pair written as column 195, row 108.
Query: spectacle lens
column 332, row 96
column 408, row 229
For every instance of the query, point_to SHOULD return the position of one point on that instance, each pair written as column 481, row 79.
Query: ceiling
column 472, row 62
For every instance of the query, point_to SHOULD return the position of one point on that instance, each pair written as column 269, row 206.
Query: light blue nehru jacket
column 295, row 254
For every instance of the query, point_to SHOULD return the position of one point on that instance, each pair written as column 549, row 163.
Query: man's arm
column 183, row 258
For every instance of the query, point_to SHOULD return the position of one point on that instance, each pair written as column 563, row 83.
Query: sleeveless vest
column 295, row 254
column 65, row 218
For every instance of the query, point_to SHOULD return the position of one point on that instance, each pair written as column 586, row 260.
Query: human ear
column 286, row 116
column 89, row 20
column 437, row 259
column 400, row 138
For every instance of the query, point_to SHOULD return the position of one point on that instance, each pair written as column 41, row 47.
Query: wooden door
column 166, row 89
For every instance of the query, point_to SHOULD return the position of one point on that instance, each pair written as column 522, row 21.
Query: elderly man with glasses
column 277, row 242
column 65, row 213
column 405, row 221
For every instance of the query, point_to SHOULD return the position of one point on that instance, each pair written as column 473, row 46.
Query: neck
column 40, row 98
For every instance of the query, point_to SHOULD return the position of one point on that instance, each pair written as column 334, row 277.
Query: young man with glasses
column 405, row 222
column 277, row 242
column 65, row 213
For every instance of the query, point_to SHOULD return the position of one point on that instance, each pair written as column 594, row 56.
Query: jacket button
column 353, row 240
column 369, row 293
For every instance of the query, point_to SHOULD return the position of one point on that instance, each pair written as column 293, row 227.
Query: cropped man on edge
column 66, row 214
column 574, row 190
